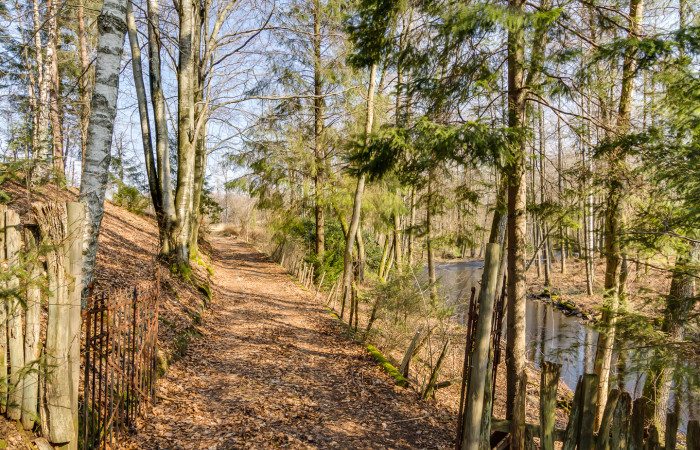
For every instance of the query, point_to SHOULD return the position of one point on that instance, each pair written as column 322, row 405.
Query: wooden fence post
column 14, row 311
column 671, row 431
column 480, row 352
column 74, row 278
column 430, row 388
column 621, row 422
column 693, row 435
column 635, row 440
column 653, row 439
column 572, row 428
column 606, row 421
column 403, row 369
column 32, row 335
column 549, row 382
column 56, row 409
column 589, row 400
column 3, row 323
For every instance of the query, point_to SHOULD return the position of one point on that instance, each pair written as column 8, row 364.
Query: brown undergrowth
column 127, row 256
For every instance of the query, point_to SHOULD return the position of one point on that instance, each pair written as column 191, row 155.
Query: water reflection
column 553, row 336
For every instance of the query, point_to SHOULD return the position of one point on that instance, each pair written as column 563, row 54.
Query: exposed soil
column 274, row 369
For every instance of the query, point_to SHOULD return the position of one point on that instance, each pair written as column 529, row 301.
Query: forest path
column 273, row 369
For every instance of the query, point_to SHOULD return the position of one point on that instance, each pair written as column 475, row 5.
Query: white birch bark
column 111, row 25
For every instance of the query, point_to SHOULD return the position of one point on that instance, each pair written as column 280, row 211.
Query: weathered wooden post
column 653, row 439
column 480, row 353
column 621, row 422
column 406, row 362
column 589, row 400
column 572, row 428
column 3, row 323
column 56, row 408
column 32, row 334
column 635, row 440
column 429, row 390
column 549, row 382
column 320, row 283
column 606, row 421
column 74, row 278
column 671, row 431
column 14, row 309
column 693, row 436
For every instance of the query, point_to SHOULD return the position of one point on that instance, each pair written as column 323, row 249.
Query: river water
column 551, row 334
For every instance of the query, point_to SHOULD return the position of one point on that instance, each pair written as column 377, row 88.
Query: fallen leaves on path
column 273, row 369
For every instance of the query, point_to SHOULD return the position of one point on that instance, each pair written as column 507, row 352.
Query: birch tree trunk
column 357, row 204
column 111, row 26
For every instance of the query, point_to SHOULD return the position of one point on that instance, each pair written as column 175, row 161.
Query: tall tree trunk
column 560, row 191
column 545, row 233
column 357, row 204
column 111, row 26
column 680, row 302
column 143, row 111
column 432, row 277
column 200, row 168
column 83, row 84
column 397, row 242
column 55, row 105
column 319, row 176
column 186, row 152
column 411, row 225
column 517, row 223
column 167, row 220
column 42, row 153
column 613, row 213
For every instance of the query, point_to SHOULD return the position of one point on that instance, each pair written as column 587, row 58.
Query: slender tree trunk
column 111, row 26
column 517, row 224
column 319, row 176
column 168, row 219
column 397, row 242
column 55, row 105
column 143, row 111
column 560, row 190
column 42, row 152
column 412, row 224
column 357, row 204
column 84, row 84
column 613, row 213
column 200, row 168
column 432, row 277
column 545, row 233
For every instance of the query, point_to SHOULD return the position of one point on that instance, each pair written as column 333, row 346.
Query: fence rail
column 121, row 332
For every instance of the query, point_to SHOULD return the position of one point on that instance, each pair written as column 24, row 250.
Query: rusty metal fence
column 121, row 333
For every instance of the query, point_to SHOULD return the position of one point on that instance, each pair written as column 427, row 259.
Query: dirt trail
column 273, row 369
